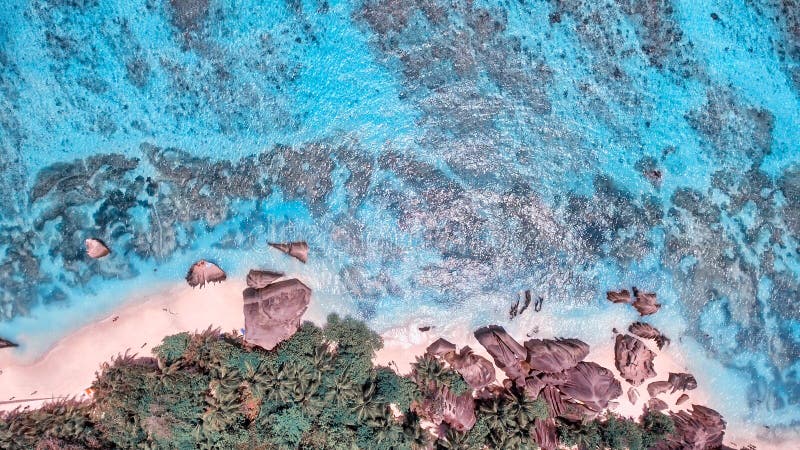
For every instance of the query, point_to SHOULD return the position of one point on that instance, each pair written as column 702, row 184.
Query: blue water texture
column 438, row 156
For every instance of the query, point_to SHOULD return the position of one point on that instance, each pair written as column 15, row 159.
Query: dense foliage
column 317, row 390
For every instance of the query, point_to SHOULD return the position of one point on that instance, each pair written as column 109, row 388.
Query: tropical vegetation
column 317, row 390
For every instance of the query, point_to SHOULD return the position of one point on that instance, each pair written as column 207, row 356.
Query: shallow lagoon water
column 439, row 157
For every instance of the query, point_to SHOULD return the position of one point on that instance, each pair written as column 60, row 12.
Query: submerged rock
column 702, row 428
column 682, row 382
column 440, row 347
column 645, row 302
column 476, row 370
column 6, row 343
column 647, row 331
column 203, row 272
column 548, row 355
column 298, row 250
column 96, row 248
column 272, row 314
column 258, row 279
column 592, row 384
column 623, row 296
column 633, row 359
column 508, row 354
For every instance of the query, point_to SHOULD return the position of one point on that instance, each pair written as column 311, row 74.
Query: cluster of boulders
column 644, row 302
column 272, row 308
column 549, row 369
column 554, row 371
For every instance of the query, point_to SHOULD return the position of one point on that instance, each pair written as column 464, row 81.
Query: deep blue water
column 439, row 156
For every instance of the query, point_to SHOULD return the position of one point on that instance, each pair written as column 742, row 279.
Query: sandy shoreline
column 69, row 367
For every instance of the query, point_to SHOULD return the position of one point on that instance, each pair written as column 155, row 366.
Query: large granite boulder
column 440, row 347
column 592, row 384
column 621, row 296
column 554, row 400
column 545, row 433
column 298, row 250
column 658, row 387
column 203, row 272
column 476, row 370
column 645, row 302
column 458, row 411
column 701, row 429
column 272, row 314
column 682, row 381
column 548, row 355
column 647, row 331
column 633, row 359
column 96, row 248
column 441, row 405
column 509, row 356
column 258, row 279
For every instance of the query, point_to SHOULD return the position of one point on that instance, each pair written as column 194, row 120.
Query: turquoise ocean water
column 439, row 157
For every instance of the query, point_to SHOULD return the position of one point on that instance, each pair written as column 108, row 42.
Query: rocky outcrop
column 545, row 433
column 699, row 429
column 656, row 404
column 554, row 400
column 440, row 347
column 441, row 405
column 6, row 343
column 647, row 331
column 458, row 411
column 658, row 387
column 298, row 250
column 633, row 395
column 682, row 382
column 548, row 355
column 96, row 248
column 509, row 356
column 645, row 302
column 476, row 370
column 591, row 384
column 258, row 279
column 203, row 272
column 272, row 314
column 621, row 296
column 633, row 359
